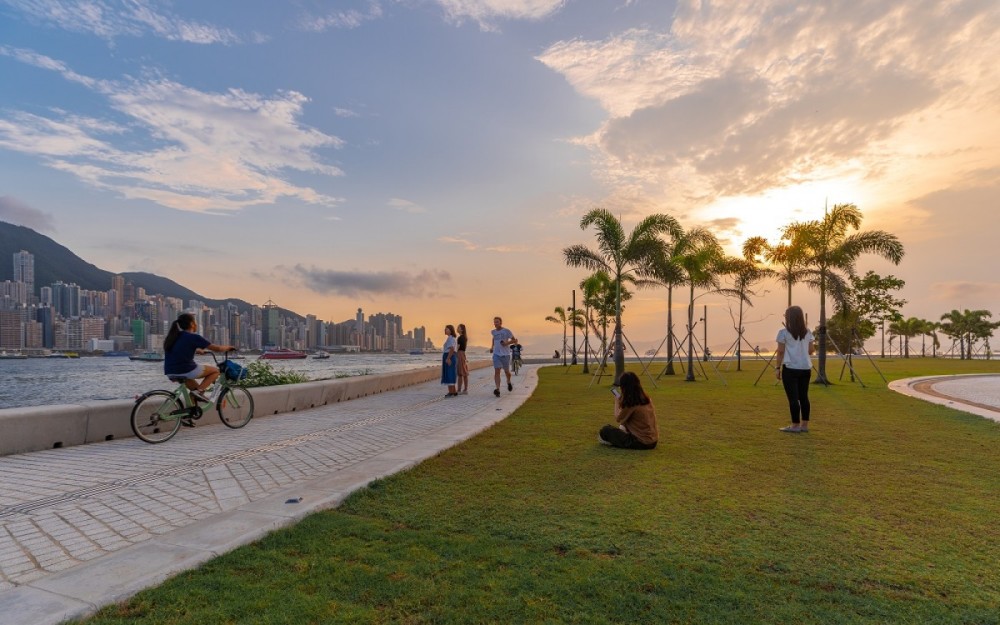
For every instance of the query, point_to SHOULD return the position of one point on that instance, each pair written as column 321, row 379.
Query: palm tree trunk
column 619, row 347
column 690, row 371
column 821, row 366
column 670, row 332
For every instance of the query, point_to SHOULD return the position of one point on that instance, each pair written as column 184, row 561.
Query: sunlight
column 735, row 219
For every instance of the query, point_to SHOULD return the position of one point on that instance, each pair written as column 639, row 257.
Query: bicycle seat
column 176, row 378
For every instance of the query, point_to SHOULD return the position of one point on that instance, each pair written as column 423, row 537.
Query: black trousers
column 624, row 440
column 796, row 383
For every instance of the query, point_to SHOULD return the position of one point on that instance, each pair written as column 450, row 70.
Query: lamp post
column 704, row 328
column 573, row 321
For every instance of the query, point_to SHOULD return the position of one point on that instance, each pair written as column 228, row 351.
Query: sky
column 432, row 158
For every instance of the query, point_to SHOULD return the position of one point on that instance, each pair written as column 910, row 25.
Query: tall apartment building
column 24, row 271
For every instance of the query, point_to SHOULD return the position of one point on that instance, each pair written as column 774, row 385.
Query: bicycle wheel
column 235, row 407
column 156, row 416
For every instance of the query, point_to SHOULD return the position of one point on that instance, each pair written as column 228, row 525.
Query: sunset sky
column 432, row 158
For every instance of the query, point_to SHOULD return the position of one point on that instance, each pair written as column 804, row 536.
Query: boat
column 12, row 356
column 115, row 354
column 321, row 355
column 63, row 355
column 147, row 357
column 282, row 353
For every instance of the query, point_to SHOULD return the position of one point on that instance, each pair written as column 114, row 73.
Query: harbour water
column 46, row 381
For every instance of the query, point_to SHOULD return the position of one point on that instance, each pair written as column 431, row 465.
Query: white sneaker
column 200, row 396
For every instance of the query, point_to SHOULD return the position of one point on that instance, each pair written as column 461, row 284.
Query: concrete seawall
column 35, row 428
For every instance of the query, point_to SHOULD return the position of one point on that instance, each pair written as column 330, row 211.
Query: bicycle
column 515, row 362
column 157, row 415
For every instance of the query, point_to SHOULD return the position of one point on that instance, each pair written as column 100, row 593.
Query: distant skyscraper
column 24, row 271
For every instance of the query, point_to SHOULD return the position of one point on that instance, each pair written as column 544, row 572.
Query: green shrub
column 262, row 373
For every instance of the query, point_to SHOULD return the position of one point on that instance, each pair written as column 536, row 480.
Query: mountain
column 54, row 262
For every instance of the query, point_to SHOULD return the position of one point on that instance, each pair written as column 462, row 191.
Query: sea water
column 44, row 381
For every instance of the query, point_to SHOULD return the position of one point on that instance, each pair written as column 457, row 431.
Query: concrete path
column 975, row 393
column 86, row 526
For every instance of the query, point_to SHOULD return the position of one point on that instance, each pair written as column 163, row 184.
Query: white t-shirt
column 449, row 343
column 503, row 334
column 796, row 351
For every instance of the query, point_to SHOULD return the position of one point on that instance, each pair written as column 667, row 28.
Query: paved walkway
column 975, row 393
column 86, row 526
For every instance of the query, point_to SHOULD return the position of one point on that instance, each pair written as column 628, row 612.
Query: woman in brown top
column 635, row 415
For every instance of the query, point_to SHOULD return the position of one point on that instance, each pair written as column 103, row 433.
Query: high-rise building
column 271, row 325
column 24, row 271
column 118, row 299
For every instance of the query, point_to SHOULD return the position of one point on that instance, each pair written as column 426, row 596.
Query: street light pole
column 573, row 318
column 705, row 330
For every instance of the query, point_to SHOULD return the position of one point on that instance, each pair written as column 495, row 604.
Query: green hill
column 54, row 262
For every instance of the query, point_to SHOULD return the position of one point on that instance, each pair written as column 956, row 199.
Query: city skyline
column 436, row 156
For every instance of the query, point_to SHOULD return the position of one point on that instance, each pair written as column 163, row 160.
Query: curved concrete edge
column 35, row 428
column 907, row 386
column 79, row 592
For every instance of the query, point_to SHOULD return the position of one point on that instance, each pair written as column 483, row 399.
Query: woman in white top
column 794, row 367
column 449, row 361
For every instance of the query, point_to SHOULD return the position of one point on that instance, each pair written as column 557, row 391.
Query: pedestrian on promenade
column 635, row 415
column 794, row 367
column 463, row 362
column 502, row 339
column 449, row 361
column 180, row 345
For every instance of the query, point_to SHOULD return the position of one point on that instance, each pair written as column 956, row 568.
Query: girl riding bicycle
column 180, row 346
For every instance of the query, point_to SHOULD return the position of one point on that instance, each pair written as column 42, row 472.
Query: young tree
column 831, row 253
column 619, row 254
column 866, row 302
column 560, row 318
column 744, row 273
column 906, row 329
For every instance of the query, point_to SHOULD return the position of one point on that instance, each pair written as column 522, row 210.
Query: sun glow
column 735, row 219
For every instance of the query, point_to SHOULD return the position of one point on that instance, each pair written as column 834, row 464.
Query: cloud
column 187, row 149
column 465, row 243
column 340, row 19
column 485, row 12
column 109, row 20
column 356, row 283
column 16, row 212
column 406, row 206
column 965, row 291
column 735, row 98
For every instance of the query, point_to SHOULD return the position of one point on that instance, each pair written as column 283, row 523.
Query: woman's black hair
column 795, row 323
column 632, row 393
column 184, row 322
column 449, row 330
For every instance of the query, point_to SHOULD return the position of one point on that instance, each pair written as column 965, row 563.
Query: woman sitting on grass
column 635, row 415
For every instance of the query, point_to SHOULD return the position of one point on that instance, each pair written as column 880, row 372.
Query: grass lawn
column 886, row 512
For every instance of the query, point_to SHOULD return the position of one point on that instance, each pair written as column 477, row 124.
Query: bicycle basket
column 233, row 371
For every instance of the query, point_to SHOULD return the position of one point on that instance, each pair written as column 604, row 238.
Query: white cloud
column 738, row 97
column 109, row 19
column 485, row 12
column 189, row 149
column 406, row 206
column 341, row 19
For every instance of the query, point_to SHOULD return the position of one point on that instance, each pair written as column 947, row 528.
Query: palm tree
column 598, row 293
column 619, row 255
column 788, row 256
column 700, row 257
column 953, row 324
column 560, row 317
column 664, row 271
column 831, row 251
column 745, row 272
column 906, row 329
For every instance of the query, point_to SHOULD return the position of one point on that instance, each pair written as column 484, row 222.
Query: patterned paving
column 64, row 507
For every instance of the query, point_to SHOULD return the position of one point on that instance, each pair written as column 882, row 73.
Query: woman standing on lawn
column 635, row 415
column 794, row 367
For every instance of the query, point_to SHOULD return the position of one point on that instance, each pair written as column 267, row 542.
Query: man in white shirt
column 502, row 340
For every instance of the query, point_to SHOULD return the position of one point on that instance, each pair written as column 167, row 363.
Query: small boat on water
column 321, row 355
column 63, row 355
column 115, row 354
column 282, row 353
column 147, row 357
column 12, row 356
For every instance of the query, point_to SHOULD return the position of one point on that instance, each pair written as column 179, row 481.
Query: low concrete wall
column 34, row 428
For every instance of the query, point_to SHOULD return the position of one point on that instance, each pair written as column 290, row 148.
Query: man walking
column 502, row 340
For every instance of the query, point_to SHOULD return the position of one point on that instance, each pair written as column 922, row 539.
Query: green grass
column 886, row 512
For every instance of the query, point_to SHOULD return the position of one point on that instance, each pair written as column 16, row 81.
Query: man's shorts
column 194, row 374
column 501, row 362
